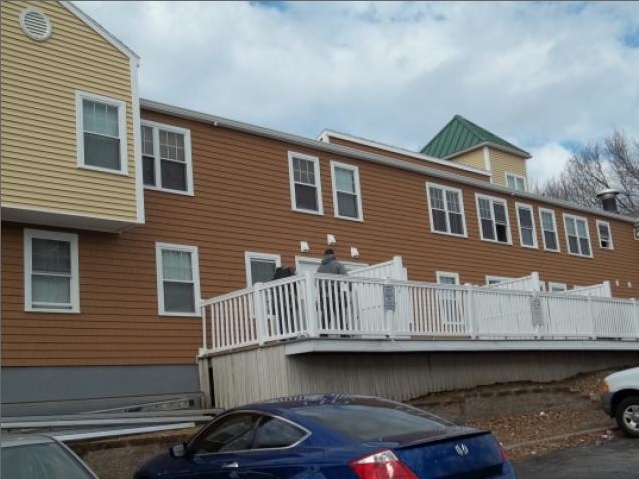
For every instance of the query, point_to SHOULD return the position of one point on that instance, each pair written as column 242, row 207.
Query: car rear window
column 41, row 461
column 374, row 423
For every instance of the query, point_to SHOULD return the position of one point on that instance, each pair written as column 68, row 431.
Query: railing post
column 389, row 314
column 260, row 314
column 591, row 317
column 204, row 336
column 311, row 312
column 398, row 268
column 470, row 311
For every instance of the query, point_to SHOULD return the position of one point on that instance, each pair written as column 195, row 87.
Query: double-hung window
column 444, row 277
column 178, row 279
column 516, row 182
column 527, row 231
column 493, row 217
column 166, row 158
column 446, row 210
column 549, row 229
column 101, row 133
column 51, row 271
column 306, row 191
column 577, row 235
column 347, row 197
column 605, row 236
column 260, row 267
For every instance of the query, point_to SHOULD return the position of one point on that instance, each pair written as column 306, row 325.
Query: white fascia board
column 494, row 146
column 217, row 121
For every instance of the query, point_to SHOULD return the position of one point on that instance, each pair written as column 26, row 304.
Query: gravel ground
column 528, row 419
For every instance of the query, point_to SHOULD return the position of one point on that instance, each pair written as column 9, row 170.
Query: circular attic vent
column 35, row 24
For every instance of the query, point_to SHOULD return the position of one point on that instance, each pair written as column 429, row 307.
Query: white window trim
column 122, row 128
column 156, row 156
column 291, row 176
column 249, row 255
column 461, row 208
column 440, row 274
column 576, row 218
column 612, row 246
column 160, row 280
column 358, row 191
column 492, row 214
column 513, row 175
column 535, row 245
column 30, row 234
column 554, row 224
column 498, row 278
column 552, row 285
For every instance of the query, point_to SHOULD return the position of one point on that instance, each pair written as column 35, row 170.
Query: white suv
column 620, row 399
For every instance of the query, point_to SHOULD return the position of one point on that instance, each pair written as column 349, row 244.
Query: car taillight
column 381, row 465
column 504, row 456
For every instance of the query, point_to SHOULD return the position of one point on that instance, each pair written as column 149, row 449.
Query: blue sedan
column 332, row 436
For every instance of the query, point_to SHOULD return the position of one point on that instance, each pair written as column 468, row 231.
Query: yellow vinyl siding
column 473, row 158
column 39, row 84
column 502, row 163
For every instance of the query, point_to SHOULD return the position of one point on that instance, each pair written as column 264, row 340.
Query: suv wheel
column 627, row 416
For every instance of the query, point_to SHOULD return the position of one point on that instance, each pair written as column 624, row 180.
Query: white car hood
column 628, row 378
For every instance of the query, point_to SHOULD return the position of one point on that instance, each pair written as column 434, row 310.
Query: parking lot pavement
column 617, row 457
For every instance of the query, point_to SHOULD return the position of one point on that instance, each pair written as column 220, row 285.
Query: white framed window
column 446, row 208
column 526, row 221
column 178, row 279
column 516, row 182
column 493, row 218
column 166, row 158
column 260, row 267
column 605, row 235
column 101, row 133
column 496, row 279
column 549, row 229
column 51, row 272
column 306, row 189
column 577, row 235
column 557, row 287
column 445, row 277
column 347, row 195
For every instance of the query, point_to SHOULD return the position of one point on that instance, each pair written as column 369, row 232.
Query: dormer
column 462, row 141
column 70, row 121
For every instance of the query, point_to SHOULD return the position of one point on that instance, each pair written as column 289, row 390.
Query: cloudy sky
column 547, row 76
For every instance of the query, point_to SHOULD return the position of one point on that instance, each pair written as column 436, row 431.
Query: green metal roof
column 461, row 134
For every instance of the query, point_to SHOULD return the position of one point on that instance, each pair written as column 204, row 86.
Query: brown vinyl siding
column 242, row 203
column 39, row 84
column 411, row 159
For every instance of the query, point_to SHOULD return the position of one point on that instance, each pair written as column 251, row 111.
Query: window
column 347, row 199
column 101, row 133
column 166, row 158
column 444, row 277
column 577, row 235
column 527, row 232
column 516, row 182
column 493, row 217
column 51, row 272
column 497, row 279
column 230, row 433
column 260, row 267
column 178, row 279
column 276, row 433
column 557, row 287
column 306, row 192
column 446, row 210
column 549, row 229
column 605, row 237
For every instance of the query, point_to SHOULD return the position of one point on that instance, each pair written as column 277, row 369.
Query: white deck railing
column 316, row 305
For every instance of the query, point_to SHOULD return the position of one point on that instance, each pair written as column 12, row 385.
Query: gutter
column 220, row 122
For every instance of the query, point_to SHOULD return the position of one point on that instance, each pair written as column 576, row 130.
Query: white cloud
column 545, row 73
column 547, row 162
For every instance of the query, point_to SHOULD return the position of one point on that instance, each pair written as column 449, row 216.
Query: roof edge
column 492, row 145
column 372, row 157
column 99, row 29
